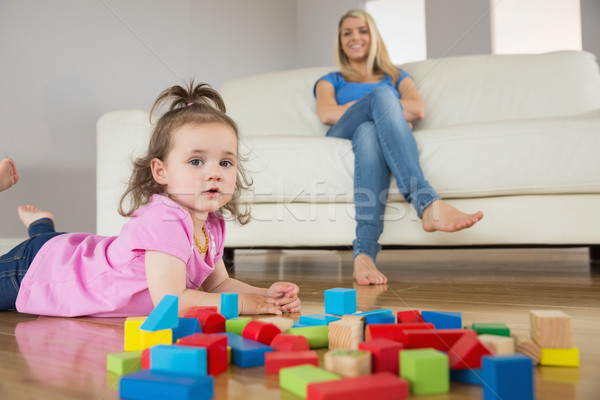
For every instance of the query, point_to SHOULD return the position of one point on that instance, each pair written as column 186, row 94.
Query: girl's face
column 200, row 170
column 355, row 39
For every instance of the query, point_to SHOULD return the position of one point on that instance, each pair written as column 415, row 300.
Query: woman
column 371, row 102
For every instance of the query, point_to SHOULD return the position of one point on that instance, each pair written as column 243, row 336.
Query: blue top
column 349, row 91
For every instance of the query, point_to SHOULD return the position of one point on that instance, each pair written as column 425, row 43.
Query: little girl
column 173, row 242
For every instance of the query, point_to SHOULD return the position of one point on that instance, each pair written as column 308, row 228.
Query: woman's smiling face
column 355, row 39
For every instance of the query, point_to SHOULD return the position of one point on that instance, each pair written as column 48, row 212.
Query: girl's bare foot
column 441, row 216
column 365, row 271
column 29, row 214
column 8, row 174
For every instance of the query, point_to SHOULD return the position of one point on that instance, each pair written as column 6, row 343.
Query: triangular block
column 164, row 316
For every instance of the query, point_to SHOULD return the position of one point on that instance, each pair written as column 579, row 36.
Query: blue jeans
column 15, row 263
column 382, row 143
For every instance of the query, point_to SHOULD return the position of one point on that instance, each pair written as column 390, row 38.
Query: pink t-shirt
column 81, row 274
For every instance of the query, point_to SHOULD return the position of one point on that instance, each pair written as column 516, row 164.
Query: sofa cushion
column 537, row 156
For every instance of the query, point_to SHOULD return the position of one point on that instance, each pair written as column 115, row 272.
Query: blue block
column 472, row 376
column 152, row 385
column 443, row 319
column 507, row 377
column 297, row 324
column 186, row 327
column 180, row 360
column 380, row 319
column 316, row 319
column 164, row 316
column 340, row 301
column 246, row 353
column 229, row 305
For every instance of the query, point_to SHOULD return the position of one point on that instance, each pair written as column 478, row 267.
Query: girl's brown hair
column 194, row 105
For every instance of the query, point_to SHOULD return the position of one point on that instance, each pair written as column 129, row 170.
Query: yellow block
column 229, row 354
column 133, row 339
column 149, row 339
column 560, row 357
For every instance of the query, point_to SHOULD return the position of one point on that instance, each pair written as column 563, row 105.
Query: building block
column 470, row 376
column 409, row 316
column 491, row 328
column 381, row 311
column 340, row 301
column 380, row 319
column 237, row 325
column 286, row 342
column 426, row 371
column 524, row 345
column 345, row 334
column 145, row 359
column 191, row 312
column 153, row 338
column 468, row 351
column 348, row 363
column 439, row 339
column 500, row 345
column 393, row 331
column 179, row 360
column 282, row 323
column 507, row 377
column 276, row 360
column 124, row 363
column 560, row 357
column 216, row 350
column 443, row 319
column 133, row 335
column 317, row 319
column 299, row 325
column 152, row 385
column 164, row 316
column 385, row 354
column 229, row 305
column 259, row 331
column 296, row 379
column 228, row 354
column 210, row 321
column 380, row 386
column 186, row 327
column 246, row 353
column 551, row 329
column 317, row 336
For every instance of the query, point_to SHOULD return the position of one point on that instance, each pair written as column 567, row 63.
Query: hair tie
column 189, row 104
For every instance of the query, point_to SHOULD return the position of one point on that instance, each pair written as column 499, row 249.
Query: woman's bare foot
column 441, row 216
column 365, row 271
column 8, row 174
column 29, row 214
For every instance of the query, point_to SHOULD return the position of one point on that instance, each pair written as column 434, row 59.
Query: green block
column 427, row 371
column 124, row 363
column 488, row 328
column 237, row 325
column 317, row 336
column 296, row 379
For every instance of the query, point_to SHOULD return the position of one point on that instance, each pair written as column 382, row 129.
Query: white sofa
column 516, row 136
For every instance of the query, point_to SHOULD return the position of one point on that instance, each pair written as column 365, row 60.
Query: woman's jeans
column 382, row 142
column 14, row 264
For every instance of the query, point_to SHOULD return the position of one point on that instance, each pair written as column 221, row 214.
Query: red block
column 439, row 339
column 380, row 386
column 274, row 361
column 191, row 312
column 145, row 359
column 216, row 350
column 404, row 317
column 467, row 352
column 287, row 342
column 385, row 354
column 210, row 321
column 262, row 332
column 393, row 331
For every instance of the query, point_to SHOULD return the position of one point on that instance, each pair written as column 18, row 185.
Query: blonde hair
column 192, row 105
column 378, row 60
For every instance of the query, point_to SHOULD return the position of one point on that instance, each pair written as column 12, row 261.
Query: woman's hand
column 252, row 303
column 285, row 295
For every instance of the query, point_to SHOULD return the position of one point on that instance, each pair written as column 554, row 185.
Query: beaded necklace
column 201, row 249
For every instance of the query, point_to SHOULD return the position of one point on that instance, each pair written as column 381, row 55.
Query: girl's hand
column 285, row 295
column 251, row 303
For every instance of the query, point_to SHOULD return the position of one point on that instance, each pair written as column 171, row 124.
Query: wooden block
column 380, row 386
column 345, row 334
column 493, row 328
column 246, row 353
column 507, row 377
column 210, row 321
column 259, row 331
column 317, row 336
column 439, row 339
column 237, row 325
column 229, row 305
column 381, row 311
column 380, row 319
column 409, row 316
column 426, row 371
column 152, row 385
column 274, row 361
column 317, row 319
column 392, row 331
column 145, row 359
column 178, row 360
column 133, row 335
column 353, row 317
column 560, row 357
column 286, row 342
column 443, row 319
column 282, row 323
column 164, row 316
column 296, row 379
column 149, row 339
column 551, row 329
column 500, row 345
column 186, row 327
column 385, row 354
column 340, row 301
column 468, row 351
column 524, row 345
column 124, row 363
column 348, row 363
column 216, row 350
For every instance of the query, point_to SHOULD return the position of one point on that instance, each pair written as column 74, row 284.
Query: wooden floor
column 56, row 358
